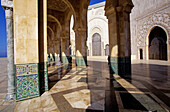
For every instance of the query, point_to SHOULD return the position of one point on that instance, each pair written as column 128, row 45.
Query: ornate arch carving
column 158, row 19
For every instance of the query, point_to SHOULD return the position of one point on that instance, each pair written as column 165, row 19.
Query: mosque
column 67, row 56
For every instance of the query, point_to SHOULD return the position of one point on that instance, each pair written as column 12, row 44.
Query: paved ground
column 4, row 106
column 91, row 89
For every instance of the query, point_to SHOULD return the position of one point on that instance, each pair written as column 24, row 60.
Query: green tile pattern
column 56, row 58
column 81, row 60
column 120, row 65
column 43, row 73
column 114, row 65
column 26, row 81
column 65, row 60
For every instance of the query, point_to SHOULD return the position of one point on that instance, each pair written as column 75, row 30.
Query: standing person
column 108, row 59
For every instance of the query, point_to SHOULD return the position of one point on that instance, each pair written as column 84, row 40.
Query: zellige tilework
column 27, row 81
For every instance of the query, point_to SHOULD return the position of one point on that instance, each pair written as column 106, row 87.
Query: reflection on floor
column 79, row 89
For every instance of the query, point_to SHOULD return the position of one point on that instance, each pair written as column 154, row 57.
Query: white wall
column 97, row 23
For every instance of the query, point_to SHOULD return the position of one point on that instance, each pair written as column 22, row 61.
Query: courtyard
column 94, row 89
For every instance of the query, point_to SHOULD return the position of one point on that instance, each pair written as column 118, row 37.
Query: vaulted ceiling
column 58, row 5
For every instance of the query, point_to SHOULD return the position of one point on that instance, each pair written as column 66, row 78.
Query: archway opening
column 158, row 44
column 97, row 23
column 141, row 53
column 72, row 37
column 96, row 44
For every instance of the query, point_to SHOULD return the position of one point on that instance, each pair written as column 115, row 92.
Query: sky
column 95, row 1
column 3, row 40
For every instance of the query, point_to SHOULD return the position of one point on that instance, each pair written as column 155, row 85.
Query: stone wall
column 144, row 17
column 97, row 23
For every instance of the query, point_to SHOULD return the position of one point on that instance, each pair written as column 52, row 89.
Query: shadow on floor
column 58, row 74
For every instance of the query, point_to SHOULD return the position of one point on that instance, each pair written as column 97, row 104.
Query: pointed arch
column 56, row 20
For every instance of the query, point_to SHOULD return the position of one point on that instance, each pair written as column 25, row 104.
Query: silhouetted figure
column 108, row 59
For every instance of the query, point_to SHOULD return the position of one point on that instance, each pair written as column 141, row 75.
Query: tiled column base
column 66, row 59
column 43, row 74
column 26, row 81
column 81, row 60
column 56, row 59
column 120, row 65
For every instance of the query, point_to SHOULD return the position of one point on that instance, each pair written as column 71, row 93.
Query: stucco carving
column 99, row 12
column 157, row 19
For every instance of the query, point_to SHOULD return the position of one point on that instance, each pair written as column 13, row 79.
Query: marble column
column 67, row 47
column 63, row 50
column 10, row 54
column 119, row 36
column 56, row 50
column 81, row 47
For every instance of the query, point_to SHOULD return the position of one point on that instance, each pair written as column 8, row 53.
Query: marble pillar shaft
column 80, row 41
column 124, row 31
column 10, row 50
column 113, row 35
column 81, row 47
column 119, row 39
column 63, row 48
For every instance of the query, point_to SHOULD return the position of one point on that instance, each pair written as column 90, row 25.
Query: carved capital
column 7, row 3
column 109, row 11
column 8, row 7
column 128, row 8
column 8, row 13
column 113, row 7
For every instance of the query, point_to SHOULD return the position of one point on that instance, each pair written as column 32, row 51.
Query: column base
column 9, row 97
column 66, row 59
column 43, row 77
column 120, row 65
column 81, row 60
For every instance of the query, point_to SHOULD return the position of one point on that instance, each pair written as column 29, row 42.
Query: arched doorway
column 141, row 53
column 96, row 44
column 158, row 44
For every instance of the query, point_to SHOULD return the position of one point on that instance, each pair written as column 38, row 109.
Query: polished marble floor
column 94, row 89
column 4, row 106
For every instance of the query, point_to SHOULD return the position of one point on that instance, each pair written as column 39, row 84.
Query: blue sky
column 95, row 1
column 3, row 41
column 3, row 47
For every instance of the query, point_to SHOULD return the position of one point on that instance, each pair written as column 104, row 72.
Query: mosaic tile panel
column 81, row 61
column 120, row 65
column 26, row 69
column 27, row 87
column 26, row 81
column 43, row 74
column 128, row 65
column 56, row 59
column 65, row 59
column 114, row 65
